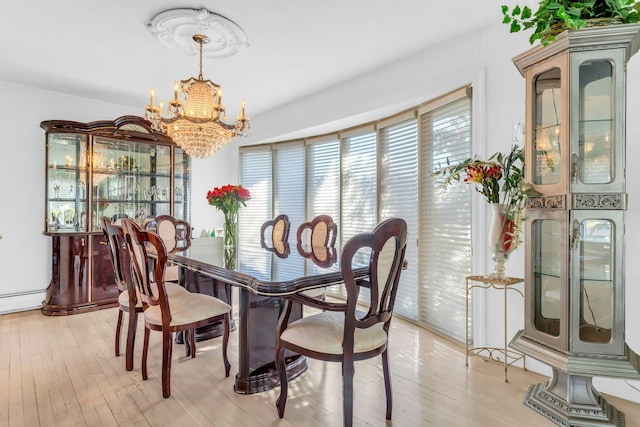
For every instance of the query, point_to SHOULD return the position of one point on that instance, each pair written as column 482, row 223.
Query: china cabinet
column 574, row 281
column 118, row 169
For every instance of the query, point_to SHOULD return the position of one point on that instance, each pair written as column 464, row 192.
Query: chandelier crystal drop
column 196, row 123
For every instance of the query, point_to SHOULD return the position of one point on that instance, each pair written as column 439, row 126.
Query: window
column 367, row 174
column 358, row 183
column 398, row 198
column 255, row 174
column 445, row 244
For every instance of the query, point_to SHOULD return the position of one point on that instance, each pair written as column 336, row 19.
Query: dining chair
column 279, row 227
column 176, row 235
column 128, row 302
column 342, row 333
column 165, row 313
column 323, row 231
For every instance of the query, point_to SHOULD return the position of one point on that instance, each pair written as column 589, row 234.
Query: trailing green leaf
column 571, row 14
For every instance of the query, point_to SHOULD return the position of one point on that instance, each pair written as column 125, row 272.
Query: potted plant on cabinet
column 555, row 16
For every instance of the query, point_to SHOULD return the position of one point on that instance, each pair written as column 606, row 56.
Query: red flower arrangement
column 228, row 198
column 501, row 180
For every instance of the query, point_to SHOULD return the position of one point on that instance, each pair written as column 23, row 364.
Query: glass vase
column 230, row 230
column 230, row 239
column 500, row 239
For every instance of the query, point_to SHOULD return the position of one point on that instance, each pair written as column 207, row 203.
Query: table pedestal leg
column 257, row 322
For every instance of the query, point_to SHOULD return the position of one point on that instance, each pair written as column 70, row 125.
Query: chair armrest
column 316, row 303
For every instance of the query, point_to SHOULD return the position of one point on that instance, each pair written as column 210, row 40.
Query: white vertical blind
column 323, row 183
column 398, row 198
column 289, row 191
column 323, row 179
column 445, row 220
column 359, row 186
column 256, row 175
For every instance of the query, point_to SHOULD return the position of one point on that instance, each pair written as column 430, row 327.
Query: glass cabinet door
column 130, row 180
column 597, row 243
column 547, row 167
column 596, row 159
column 547, row 278
column 66, row 183
column 181, row 196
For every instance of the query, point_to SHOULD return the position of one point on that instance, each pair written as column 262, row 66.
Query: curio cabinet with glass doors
column 574, row 278
column 118, row 169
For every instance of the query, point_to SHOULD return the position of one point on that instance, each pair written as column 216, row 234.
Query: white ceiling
column 103, row 49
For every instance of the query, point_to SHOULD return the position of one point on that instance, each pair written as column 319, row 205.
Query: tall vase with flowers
column 228, row 199
column 500, row 179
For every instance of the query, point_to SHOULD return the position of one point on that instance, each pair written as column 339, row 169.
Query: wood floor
column 61, row 371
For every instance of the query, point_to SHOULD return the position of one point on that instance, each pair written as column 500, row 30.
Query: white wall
column 25, row 254
column 482, row 58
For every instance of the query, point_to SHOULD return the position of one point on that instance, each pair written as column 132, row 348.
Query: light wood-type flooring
column 61, row 371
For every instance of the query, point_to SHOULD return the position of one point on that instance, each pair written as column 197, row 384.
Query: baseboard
column 21, row 301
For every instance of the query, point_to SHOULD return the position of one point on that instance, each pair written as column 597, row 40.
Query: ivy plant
column 569, row 14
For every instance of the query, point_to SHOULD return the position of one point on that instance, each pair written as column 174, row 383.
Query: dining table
column 264, row 276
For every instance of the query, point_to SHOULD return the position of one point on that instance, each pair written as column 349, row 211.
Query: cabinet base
column 556, row 409
column 65, row 310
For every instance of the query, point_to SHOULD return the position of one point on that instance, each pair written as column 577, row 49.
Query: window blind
column 323, row 176
column 445, row 220
column 289, row 195
column 323, row 182
column 398, row 198
column 369, row 175
column 256, row 175
column 359, row 184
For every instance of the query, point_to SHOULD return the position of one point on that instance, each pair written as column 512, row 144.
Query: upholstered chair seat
column 324, row 333
column 200, row 306
column 173, row 289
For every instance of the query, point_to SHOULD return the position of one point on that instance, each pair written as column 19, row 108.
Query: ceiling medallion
column 175, row 29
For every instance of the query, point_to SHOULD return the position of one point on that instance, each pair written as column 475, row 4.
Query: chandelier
column 196, row 123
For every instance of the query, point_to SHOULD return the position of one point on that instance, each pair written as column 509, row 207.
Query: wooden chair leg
column 118, row 331
column 387, row 382
column 192, row 343
column 348, row 371
column 196, row 281
column 131, row 339
column 145, row 351
column 284, row 386
column 186, row 338
column 227, row 292
column 226, row 324
column 167, row 346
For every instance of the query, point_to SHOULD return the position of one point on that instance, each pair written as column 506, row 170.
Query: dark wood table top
column 276, row 271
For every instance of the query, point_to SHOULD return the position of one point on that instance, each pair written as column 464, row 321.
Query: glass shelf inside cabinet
column 66, row 183
column 547, row 270
column 130, row 180
column 547, row 131
column 596, row 279
column 181, row 168
column 596, row 122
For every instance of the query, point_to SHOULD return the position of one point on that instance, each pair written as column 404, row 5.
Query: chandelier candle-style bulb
column 197, row 125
